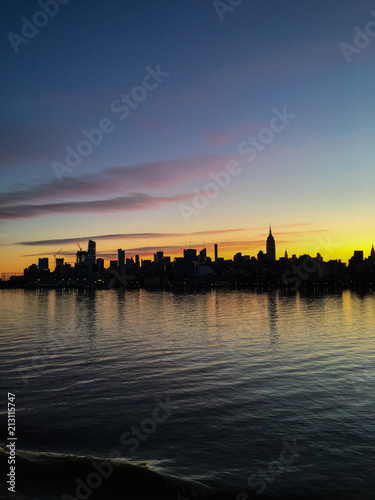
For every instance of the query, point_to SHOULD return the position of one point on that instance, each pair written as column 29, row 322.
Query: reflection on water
column 272, row 312
column 243, row 370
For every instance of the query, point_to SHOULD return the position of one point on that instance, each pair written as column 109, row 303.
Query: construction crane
column 57, row 253
column 79, row 246
column 54, row 256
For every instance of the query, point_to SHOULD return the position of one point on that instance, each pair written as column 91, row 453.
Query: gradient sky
column 314, row 181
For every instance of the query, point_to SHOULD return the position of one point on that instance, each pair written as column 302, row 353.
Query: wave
column 56, row 476
column 53, row 476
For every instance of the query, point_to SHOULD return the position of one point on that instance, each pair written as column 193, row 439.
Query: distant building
column 358, row 256
column 81, row 257
column 31, row 272
column 91, row 253
column 65, row 272
column 121, row 258
column 43, row 264
column 237, row 258
column 129, row 264
column 59, row 262
column 372, row 254
column 190, row 255
column 100, row 263
column 190, row 262
column 159, row 256
column 113, row 264
column 216, row 252
column 271, row 247
column 356, row 262
column 202, row 256
column 203, row 271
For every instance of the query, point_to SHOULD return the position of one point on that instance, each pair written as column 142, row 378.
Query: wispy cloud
column 288, row 62
column 151, row 125
column 300, row 233
column 133, row 201
column 125, row 236
column 117, row 180
column 236, row 133
column 29, row 144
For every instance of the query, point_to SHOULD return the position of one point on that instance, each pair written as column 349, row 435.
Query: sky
column 168, row 125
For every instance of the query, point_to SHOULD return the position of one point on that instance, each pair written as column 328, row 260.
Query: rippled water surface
column 244, row 372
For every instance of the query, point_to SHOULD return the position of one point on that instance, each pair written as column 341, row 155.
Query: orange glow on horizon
column 15, row 259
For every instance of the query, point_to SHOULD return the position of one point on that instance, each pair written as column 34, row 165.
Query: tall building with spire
column 372, row 254
column 271, row 247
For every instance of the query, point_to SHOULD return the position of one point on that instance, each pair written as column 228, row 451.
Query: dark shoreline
column 258, row 287
column 121, row 480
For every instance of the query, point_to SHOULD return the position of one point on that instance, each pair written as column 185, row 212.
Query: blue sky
column 225, row 78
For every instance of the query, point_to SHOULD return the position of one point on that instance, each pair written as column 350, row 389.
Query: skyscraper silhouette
column 121, row 258
column 271, row 247
column 91, row 253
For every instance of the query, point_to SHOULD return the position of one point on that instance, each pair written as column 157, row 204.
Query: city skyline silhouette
column 194, row 268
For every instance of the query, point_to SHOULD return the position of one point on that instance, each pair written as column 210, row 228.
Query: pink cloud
column 117, row 180
column 125, row 236
column 219, row 137
column 152, row 125
column 235, row 134
column 133, row 201
column 30, row 144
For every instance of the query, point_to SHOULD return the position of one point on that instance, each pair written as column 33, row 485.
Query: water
column 244, row 373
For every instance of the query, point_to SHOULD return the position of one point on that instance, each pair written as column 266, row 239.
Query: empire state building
column 271, row 247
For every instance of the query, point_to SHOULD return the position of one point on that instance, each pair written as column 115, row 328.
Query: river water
column 246, row 392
